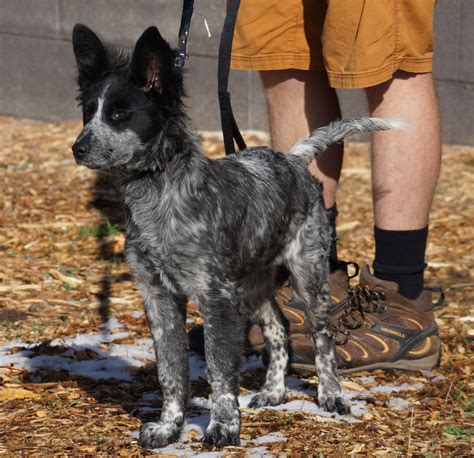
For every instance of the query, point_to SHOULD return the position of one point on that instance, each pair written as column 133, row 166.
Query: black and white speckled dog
column 210, row 231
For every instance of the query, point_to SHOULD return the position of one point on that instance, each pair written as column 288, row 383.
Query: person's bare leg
column 405, row 164
column 299, row 102
column 405, row 169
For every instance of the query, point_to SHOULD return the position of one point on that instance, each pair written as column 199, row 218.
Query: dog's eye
column 119, row 115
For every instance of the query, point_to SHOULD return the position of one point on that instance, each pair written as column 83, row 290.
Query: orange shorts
column 359, row 43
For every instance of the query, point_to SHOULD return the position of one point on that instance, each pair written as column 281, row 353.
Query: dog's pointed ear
column 150, row 60
column 90, row 53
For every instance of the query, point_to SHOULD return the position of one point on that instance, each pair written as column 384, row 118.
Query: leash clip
column 182, row 56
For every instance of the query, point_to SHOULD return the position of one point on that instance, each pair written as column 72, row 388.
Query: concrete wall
column 37, row 68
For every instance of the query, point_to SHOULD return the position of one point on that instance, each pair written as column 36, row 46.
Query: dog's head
column 125, row 100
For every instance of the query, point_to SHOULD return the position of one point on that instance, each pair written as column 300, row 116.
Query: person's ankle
column 410, row 285
column 400, row 258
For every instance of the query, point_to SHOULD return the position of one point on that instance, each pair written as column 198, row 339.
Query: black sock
column 333, row 262
column 400, row 257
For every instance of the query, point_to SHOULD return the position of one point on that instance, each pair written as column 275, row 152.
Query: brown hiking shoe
column 293, row 309
column 378, row 329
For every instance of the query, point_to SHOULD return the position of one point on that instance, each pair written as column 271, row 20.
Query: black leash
column 230, row 129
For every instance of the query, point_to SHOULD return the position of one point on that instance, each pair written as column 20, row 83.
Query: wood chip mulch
column 62, row 272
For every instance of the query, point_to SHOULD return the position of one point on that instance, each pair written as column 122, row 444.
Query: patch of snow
column 175, row 450
column 112, row 323
column 399, row 404
column 196, row 425
column 136, row 354
column 396, row 389
column 259, row 452
column 252, row 362
column 145, row 341
column 358, row 408
column 89, row 341
column 272, row 437
column 197, row 367
column 306, row 406
column 295, row 387
column 207, row 454
column 433, row 376
column 365, row 379
column 114, row 362
column 199, row 402
column 245, row 399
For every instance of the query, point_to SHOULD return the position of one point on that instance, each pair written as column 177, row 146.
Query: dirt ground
column 62, row 272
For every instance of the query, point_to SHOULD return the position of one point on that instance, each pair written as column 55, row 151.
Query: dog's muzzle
column 82, row 145
column 80, row 149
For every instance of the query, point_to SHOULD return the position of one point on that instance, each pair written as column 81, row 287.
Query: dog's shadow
column 107, row 199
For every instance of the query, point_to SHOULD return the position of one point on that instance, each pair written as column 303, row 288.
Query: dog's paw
column 334, row 404
column 157, row 435
column 266, row 398
column 220, row 434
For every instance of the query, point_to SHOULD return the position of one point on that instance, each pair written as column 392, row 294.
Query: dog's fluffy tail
column 322, row 138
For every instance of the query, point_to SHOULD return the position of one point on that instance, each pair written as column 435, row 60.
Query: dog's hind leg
column 276, row 342
column 224, row 332
column 166, row 314
column 308, row 263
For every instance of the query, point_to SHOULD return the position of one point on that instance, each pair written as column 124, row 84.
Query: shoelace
column 361, row 301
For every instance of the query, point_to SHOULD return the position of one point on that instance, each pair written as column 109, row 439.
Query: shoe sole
column 426, row 363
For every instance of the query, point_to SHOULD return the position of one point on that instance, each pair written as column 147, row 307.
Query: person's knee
column 400, row 81
column 272, row 78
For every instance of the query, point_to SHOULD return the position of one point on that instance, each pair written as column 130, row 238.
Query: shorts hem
column 359, row 80
column 277, row 62
column 340, row 80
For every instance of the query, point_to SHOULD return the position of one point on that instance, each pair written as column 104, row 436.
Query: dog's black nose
column 80, row 149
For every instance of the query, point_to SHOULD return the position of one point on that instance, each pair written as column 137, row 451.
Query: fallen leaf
column 17, row 393
column 347, row 226
column 71, row 281
column 14, row 288
column 357, row 448
column 352, row 386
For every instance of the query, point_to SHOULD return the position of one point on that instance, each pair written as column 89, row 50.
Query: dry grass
column 63, row 272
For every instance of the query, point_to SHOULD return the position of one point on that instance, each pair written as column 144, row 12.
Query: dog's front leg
column 166, row 314
column 224, row 337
